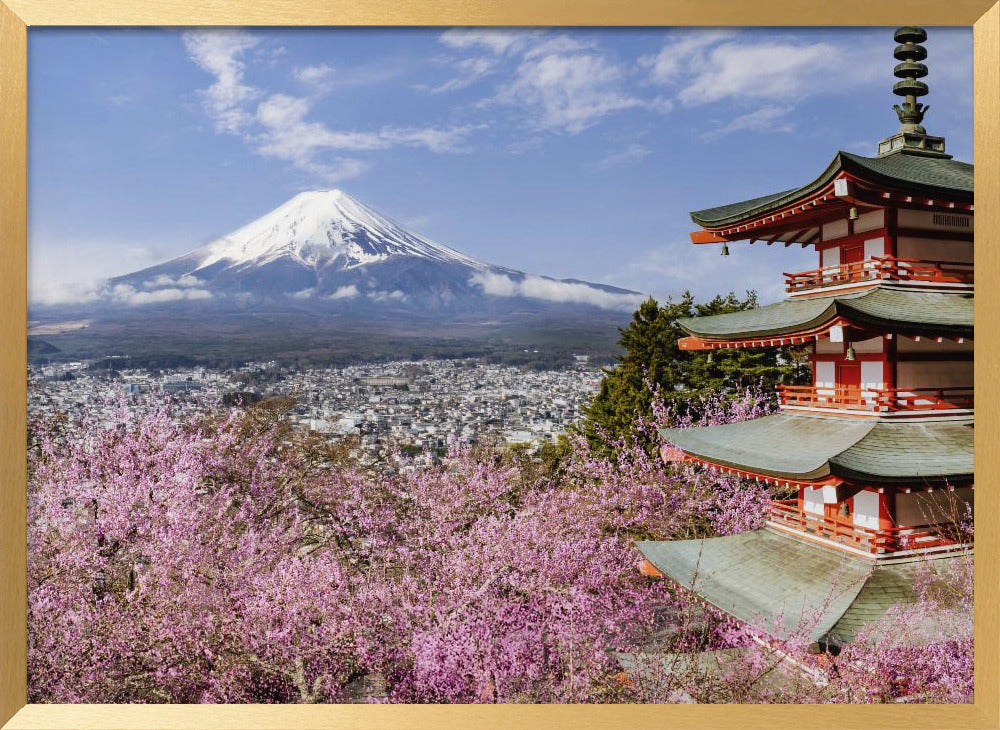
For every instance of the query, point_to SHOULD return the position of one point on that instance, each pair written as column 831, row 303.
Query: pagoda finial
column 910, row 52
column 911, row 138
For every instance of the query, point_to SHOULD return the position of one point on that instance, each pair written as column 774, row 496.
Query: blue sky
column 568, row 153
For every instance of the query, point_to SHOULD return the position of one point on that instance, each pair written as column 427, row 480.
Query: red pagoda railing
column 881, row 268
column 786, row 513
column 876, row 400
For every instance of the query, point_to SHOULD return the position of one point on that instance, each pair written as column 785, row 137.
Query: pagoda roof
column 809, row 448
column 772, row 580
column 881, row 308
column 919, row 174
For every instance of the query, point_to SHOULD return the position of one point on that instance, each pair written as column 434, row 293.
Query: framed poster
column 288, row 128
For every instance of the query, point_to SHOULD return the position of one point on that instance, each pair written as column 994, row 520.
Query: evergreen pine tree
column 652, row 356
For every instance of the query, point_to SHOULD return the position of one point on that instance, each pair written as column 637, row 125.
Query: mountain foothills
column 326, row 276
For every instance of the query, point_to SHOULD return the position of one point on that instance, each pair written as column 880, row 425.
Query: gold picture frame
column 15, row 18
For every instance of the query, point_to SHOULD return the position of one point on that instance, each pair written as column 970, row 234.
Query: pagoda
column 876, row 454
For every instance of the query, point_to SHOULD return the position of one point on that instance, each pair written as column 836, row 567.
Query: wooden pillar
column 890, row 348
column 891, row 226
column 887, row 508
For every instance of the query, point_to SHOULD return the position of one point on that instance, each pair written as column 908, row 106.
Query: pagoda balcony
column 876, row 400
column 882, row 268
column 787, row 515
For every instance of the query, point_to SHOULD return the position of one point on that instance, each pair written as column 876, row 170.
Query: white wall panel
column 866, row 509
column 926, row 508
column 872, row 375
column 812, row 501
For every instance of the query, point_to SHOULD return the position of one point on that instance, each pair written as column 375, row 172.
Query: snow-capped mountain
column 320, row 228
column 325, row 246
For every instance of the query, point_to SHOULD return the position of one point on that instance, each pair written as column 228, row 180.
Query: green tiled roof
column 925, row 174
column 885, row 588
column 892, row 310
column 773, row 581
column 781, row 445
column 802, row 447
column 925, row 449
column 766, row 579
column 919, row 174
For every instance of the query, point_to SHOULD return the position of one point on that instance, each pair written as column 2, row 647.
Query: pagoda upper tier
column 862, row 314
column 907, row 178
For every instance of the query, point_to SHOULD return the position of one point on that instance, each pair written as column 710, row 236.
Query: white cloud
column 318, row 77
column 386, row 296
column 127, row 294
column 64, row 269
column 163, row 280
column 270, row 54
column 302, row 294
column 568, row 91
column 345, row 292
column 47, row 294
column 218, row 51
column 559, row 44
column 278, row 127
column 560, row 83
column 286, row 135
column 491, row 47
column 538, row 287
column 496, row 41
column 470, row 70
column 772, row 70
column 280, row 111
column 498, row 285
column 630, row 155
column 670, row 63
column 768, row 118
column 707, row 67
column 710, row 66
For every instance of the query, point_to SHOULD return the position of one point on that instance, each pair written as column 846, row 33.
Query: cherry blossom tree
column 232, row 558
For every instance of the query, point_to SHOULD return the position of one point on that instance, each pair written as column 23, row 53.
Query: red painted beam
column 692, row 343
column 706, row 237
column 649, row 570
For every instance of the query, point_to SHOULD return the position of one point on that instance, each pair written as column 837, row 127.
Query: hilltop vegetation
column 653, row 365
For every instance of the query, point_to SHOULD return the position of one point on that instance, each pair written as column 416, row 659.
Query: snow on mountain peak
column 322, row 227
column 326, row 246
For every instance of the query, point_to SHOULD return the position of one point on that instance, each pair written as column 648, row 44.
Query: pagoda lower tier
column 872, row 488
column 791, row 589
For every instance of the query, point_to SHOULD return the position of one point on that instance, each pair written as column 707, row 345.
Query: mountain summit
column 326, row 247
column 322, row 228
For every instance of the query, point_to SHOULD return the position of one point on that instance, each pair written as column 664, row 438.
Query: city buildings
column 423, row 408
